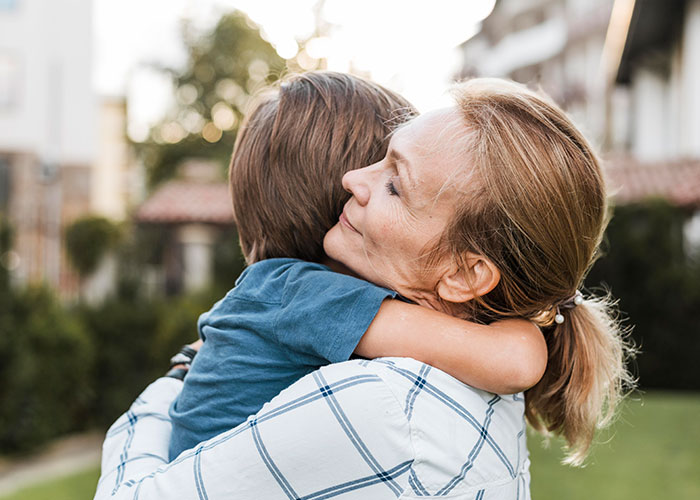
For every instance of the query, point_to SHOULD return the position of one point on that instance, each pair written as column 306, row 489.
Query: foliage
column 87, row 240
column 65, row 369
column 224, row 68
column 134, row 338
column 5, row 246
column 142, row 247
column 178, row 325
column 121, row 331
column 228, row 262
column 658, row 287
column 47, row 355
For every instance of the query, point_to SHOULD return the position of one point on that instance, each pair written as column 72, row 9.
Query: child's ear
column 462, row 284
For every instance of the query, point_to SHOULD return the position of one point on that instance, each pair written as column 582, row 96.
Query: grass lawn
column 79, row 486
column 652, row 452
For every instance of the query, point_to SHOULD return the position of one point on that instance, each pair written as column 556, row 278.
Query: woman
column 492, row 208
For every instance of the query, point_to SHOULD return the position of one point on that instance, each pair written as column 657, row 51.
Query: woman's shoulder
column 454, row 428
column 409, row 378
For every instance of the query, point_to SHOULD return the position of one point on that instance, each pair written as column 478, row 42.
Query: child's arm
column 504, row 357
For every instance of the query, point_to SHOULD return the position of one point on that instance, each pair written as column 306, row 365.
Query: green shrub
column 178, row 325
column 228, row 262
column 658, row 287
column 47, row 356
column 134, row 338
column 87, row 240
column 121, row 331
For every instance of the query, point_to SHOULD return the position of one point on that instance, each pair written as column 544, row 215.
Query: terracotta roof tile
column 187, row 201
column 677, row 181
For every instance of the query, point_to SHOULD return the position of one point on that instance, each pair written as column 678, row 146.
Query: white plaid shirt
column 387, row 428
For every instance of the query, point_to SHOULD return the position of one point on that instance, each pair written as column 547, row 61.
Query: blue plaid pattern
column 388, row 428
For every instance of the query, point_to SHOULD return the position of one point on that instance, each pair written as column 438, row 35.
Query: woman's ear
column 462, row 284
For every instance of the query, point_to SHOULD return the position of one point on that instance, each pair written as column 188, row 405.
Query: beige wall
column 113, row 178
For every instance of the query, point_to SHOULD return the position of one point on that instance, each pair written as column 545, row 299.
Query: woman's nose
column 356, row 183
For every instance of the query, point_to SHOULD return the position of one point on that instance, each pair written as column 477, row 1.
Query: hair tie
column 575, row 300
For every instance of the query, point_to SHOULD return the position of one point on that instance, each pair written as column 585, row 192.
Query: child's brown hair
column 291, row 153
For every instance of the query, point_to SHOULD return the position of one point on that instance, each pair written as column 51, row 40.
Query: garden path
column 60, row 458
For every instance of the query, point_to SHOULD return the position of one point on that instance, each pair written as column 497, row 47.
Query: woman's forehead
column 434, row 132
column 435, row 149
column 433, row 136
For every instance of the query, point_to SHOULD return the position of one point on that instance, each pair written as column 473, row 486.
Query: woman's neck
column 338, row 267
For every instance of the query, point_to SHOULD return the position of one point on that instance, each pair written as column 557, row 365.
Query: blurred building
column 63, row 150
column 48, row 115
column 627, row 71
column 555, row 44
column 118, row 183
column 660, row 68
column 190, row 212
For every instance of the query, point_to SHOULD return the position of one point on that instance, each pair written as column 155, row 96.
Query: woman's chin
column 332, row 243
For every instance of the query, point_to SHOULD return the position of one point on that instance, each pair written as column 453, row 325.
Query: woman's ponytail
column 585, row 378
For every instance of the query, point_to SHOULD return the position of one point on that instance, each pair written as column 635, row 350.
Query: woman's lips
column 345, row 222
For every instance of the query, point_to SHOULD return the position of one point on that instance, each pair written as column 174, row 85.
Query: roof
column 678, row 181
column 187, row 201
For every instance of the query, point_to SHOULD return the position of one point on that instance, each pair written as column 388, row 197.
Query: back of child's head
column 291, row 153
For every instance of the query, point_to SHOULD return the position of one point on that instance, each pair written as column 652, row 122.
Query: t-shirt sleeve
column 323, row 314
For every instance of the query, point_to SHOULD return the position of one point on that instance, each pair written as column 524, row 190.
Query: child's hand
column 180, row 363
column 196, row 345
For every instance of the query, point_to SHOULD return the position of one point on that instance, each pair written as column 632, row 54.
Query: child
column 289, row 314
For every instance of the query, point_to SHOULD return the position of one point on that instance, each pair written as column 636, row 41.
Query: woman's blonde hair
column 536, row 206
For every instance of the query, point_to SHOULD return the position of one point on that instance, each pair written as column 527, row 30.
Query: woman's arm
column 504, row 357
column 338, row 430
column 136, row 445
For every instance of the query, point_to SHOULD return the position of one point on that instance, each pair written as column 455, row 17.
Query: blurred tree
column 224, row 68
column 87, row 240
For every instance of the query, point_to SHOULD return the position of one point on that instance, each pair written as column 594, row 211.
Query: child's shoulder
column 286, row 280
column 268, row 278
column 276, row 269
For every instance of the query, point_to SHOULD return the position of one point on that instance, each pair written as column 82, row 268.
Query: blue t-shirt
column 284, row 319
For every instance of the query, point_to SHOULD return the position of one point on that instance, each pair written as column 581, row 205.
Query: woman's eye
column 391, row 188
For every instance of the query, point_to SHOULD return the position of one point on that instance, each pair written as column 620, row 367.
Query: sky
column 407, row 45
